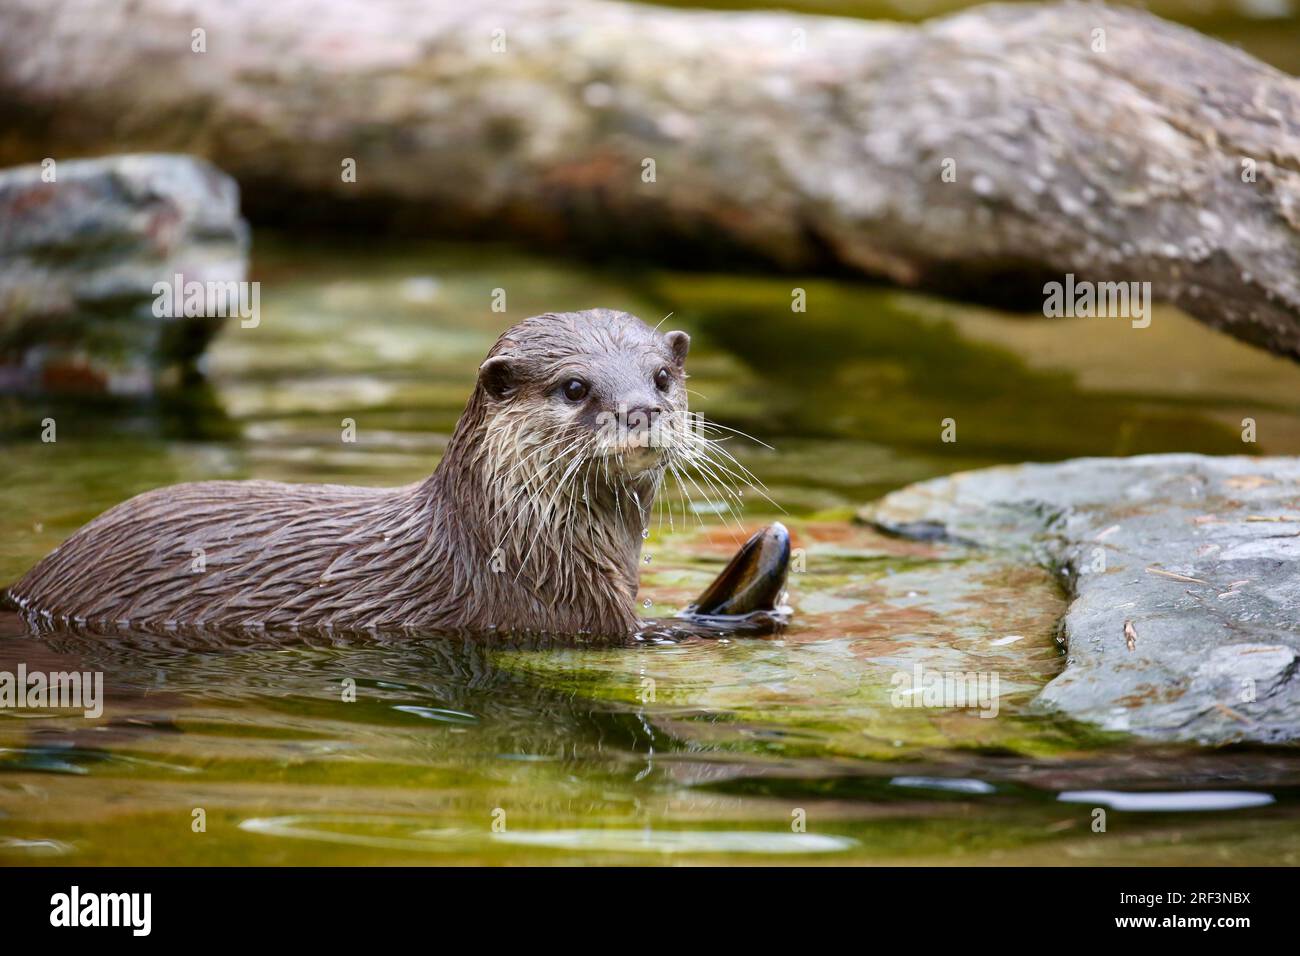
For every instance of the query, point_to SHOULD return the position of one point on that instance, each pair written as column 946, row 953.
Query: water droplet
column 645, row 603
column 646, row 559
column 645, row 532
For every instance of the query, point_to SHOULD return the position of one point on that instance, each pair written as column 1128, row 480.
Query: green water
column 746, row 750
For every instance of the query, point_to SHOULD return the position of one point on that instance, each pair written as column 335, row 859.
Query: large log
column 1145, row 152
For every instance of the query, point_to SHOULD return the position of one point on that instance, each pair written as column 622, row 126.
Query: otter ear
column 680, row 343
column 497, row 377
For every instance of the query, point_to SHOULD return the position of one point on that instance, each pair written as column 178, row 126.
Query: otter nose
column 638, row 417
column 638, row 424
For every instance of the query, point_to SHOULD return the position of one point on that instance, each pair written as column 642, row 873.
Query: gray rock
column 1184, row 576
column 79, row 257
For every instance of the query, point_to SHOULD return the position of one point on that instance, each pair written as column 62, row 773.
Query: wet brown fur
column 496, row 538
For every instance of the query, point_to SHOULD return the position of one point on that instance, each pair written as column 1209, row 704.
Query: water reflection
column 447, row 735
column 403, row 747
column 384, row 833
column 1187, row 801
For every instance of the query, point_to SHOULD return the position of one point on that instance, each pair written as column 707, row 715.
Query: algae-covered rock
column 1184, row 571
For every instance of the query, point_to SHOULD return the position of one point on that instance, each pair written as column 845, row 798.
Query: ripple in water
column 678, row 841
column 34, row 847
column 950, row 784
column 437, row 713
column 395, row 833
column 1176, row 802
column 307, row 827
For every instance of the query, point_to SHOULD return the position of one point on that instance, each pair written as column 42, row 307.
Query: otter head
column 595, row 396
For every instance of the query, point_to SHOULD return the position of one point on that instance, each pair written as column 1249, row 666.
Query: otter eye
column 575, row 389
column 663, row 378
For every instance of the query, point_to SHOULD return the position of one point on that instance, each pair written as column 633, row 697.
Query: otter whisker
column 662, row 501
column 533, row 454
column 566, row 562
column 531, row 498
column 746, row 475
column 527, row 482
column 618, row 503
column 543, row 477
column 730, row 511
column 695, row 448
column 689, row 504
column 586, row 493
column 700, row 439
column 543, row 524
column 703, row 422
column 716, row 471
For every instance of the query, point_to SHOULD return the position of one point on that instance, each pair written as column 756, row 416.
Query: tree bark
column 1142, row 153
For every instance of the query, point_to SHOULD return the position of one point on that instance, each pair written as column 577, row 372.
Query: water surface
column 785, row 749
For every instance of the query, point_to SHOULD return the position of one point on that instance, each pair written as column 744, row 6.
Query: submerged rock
column 1184, row 575
column 82, row 244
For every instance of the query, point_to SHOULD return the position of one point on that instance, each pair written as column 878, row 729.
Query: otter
column 532, row 522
